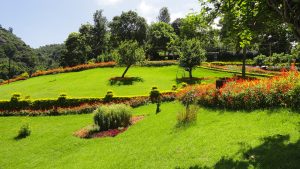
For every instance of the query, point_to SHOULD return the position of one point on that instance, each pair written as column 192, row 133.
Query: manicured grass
column 95, row 82
column 219, row 139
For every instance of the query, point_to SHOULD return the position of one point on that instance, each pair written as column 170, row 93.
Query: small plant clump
column 112, row 117
column 187, row 116
column 23, row 132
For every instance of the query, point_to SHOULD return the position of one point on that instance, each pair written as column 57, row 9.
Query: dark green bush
column 112, row 117
column 155, row 97
column 23, row 132
column 109, row 96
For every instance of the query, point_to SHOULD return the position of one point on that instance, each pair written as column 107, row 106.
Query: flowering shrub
column 279, row 91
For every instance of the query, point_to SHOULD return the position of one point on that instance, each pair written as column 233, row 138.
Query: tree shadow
column 276, row 152
column 194, row 80
column 124, row 81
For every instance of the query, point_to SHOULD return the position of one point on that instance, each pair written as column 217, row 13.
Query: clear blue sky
column 41, row 22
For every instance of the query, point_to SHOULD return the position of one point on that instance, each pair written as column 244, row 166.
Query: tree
column 129, row 53
column 88, row 38
column 9, row 51
column 196, row 25
column 164, row 15
column 76, row 50
column 128, row 26
column 100, row 40
column 160, row 36
column 176, row 26
column 192, row 54
column 289, row 11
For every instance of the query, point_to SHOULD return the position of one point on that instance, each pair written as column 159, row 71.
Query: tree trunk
column 244, row 63
column 125, row 71
column 190, row 73
column 9, row 74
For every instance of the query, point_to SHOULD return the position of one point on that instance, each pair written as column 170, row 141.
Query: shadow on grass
column 124, row 81
column 271, row 110
column 276, row 152
column 17, row 138
column 188, row 80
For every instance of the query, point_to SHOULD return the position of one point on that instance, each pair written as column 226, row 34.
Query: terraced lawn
column 95, row 82
column 219, row 139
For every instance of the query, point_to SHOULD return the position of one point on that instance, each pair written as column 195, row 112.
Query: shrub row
column 64, row 105
column 61, row 70
column 160, row 63
column 279, row 91
column 248, row 62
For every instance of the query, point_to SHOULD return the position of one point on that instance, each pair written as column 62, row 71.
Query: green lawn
column 219, row 139
column 95, row 82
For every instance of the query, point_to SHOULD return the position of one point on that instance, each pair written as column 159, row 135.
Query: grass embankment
column 95, row 82
column 219, row 139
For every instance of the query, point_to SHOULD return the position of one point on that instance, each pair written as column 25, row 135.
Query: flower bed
column 279, row 91
column 88, row 132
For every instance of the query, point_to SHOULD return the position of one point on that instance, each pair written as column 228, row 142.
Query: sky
column 42, row 22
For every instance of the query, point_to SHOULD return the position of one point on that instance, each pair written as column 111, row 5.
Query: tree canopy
column 164, row 15
column 128, row 26
column 191, row 55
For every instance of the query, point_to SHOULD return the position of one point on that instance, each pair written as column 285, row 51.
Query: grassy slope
column 154, row 142
column 94, row 82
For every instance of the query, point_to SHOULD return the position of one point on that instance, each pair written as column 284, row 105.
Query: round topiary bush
column 113, row 116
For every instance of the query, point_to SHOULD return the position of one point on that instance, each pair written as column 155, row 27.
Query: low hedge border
column 64, row 106
column 236, row 72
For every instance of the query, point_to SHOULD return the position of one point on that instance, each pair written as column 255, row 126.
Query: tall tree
column 88, row 38
column 128, row 26
column 289, row 10
column 164, row 15
column 160, row 36
column 176, row 25
column 242, row 21
column 100, row 31
column 9, row 51
column 76, row 50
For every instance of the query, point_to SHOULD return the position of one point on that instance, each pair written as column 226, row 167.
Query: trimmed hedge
column 160, row 63
column 64, row 105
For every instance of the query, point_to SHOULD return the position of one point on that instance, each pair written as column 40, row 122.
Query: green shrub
column 109, row 96
column 183, row 85
column 160, row 63
column 112, row 117
column 174, row 87
column 24, row 75
column 23, row 132
column 155, row 97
